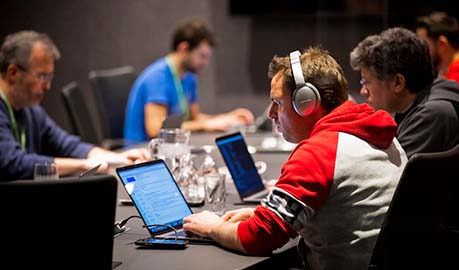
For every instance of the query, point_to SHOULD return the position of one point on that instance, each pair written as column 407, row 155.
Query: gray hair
column 396, row 50
column 16, row 48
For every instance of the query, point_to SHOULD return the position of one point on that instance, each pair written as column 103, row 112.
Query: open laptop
column 91, row 172
column 240, row 164
column 173, row 121
column 158, row 199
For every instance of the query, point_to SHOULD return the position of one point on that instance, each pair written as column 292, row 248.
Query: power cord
column 120, row 226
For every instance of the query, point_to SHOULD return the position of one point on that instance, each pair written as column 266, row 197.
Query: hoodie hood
column 377, row 128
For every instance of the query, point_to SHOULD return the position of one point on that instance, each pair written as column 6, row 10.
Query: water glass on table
column 215, row 192
column 45, row 171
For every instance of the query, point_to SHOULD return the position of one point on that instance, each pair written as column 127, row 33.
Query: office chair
column 112, row 87
column 421, row 227
column 80, row 116
column 58, row 224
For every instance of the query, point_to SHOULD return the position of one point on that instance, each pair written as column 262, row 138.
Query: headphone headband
column 296, row 68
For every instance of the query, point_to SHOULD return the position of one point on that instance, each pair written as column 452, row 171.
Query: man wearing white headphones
column 336, row 186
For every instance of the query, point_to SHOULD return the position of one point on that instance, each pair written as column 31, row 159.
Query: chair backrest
column 79, row 113
column 58, row 224
column 421, row 228
column 112, row 87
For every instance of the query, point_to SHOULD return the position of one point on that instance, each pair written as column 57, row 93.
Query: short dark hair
column 16, row 48
column 396, row 50
column 440, row 24
column 321, row 70
column 193, row 32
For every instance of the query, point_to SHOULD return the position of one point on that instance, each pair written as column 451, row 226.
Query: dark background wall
column 104, row 34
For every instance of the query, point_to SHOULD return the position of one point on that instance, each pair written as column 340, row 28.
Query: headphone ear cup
column 305, row 99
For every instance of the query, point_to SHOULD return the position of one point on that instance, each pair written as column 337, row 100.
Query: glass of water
column 45, row 171
column 215, row 192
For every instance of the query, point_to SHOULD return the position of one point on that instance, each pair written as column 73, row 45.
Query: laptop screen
column 155, row 193
column 240, row 164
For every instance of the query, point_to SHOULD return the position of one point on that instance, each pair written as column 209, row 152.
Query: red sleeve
column 308, row 173
column 307, row 176
column 264, row 232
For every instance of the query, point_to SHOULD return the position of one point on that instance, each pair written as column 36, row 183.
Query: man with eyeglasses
column 27, row 134
column 397, row 76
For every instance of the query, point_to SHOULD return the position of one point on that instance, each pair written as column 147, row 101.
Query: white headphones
column 305, row 98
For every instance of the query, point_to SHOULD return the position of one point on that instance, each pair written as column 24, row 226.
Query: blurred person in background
column 27, row 134
column 168, row 87
column 441, row 32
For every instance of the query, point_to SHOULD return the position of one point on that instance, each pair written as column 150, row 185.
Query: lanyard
column 22, row 138
column 179, row 88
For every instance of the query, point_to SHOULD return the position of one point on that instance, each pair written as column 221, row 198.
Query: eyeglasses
column 42, row 77
column 363, row 82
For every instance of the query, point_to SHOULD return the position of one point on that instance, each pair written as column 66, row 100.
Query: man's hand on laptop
column 202, row 223
column 238, row 214
column 208, row 224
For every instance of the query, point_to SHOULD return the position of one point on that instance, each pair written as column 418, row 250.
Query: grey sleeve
column 431, row 128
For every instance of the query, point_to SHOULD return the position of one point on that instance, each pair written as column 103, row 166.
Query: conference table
column 196, row 256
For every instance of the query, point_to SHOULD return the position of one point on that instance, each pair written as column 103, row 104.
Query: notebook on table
column 240, row 164
column 158, row 199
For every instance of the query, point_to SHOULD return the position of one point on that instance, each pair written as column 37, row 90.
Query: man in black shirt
column 397, row 76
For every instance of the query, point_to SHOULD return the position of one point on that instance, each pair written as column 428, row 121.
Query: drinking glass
column 215, row 192
column 189, row 182
column 208, row 165
column 45, row 171
column 175, row 148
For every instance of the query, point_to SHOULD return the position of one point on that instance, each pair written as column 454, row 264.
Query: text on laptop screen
column 240, row 164
column 156, row 195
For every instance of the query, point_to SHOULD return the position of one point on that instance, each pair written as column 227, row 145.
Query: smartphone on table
column 157, row 243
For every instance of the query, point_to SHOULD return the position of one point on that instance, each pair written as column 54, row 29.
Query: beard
column 189, row 67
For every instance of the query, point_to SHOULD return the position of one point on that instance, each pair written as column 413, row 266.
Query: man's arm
column 98, row 155
column 155, row 114
column 219, row 122
column 197, row 119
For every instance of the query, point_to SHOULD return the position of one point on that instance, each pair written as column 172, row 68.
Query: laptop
column 58, row 224
column 91, row 172
column 173, row 121
column 240, row 164
column 158, row 199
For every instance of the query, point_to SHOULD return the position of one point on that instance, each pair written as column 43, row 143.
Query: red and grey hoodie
column 333, row 191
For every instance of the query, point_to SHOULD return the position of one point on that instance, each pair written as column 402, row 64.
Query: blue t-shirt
column 155, row 85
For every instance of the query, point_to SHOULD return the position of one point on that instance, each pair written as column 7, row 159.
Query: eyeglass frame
column 42, row 77
column 363, row 82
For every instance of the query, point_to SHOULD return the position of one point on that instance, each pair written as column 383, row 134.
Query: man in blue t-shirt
column 27, row 134
column 168, row 87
